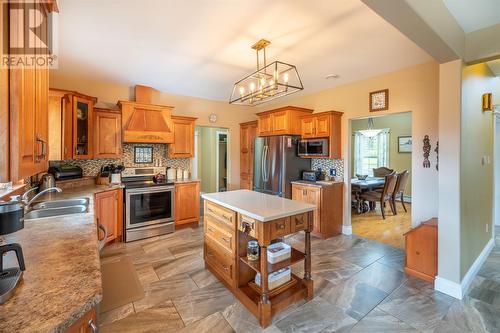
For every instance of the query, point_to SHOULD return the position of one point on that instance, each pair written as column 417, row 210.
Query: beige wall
column 399, row 125
column 412, row 89
column 229, row 116
column 476, row 175
column 450, row 83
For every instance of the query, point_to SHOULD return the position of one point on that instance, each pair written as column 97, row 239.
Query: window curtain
column 365, row 139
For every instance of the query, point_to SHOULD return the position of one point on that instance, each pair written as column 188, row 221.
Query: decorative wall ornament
column 437, row 155
column 487, row 102
column 379, row 100
column 427, row 151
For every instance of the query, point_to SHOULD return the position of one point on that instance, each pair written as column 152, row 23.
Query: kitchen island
column 234, row 218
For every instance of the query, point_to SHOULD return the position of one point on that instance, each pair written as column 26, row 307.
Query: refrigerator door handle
column 262, row 159
column 264, row 164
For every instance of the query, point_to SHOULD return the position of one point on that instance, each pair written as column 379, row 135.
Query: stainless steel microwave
column 313, row 148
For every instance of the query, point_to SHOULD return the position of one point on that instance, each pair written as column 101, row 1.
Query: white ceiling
column 494, row 65
column 473, row 15
column 201, row 47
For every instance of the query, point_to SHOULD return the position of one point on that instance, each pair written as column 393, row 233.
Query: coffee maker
column 11, row 220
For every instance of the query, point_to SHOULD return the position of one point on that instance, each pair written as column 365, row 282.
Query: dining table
column 359, row 186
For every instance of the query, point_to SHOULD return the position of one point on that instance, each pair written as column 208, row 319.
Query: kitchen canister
column 185, row 174
column 179, row 173
column 253, row 250
column 171, row 173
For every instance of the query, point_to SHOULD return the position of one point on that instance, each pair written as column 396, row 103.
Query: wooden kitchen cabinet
column 282, row 121
column 328, row 215
column 84, row 324
column 324, row 125
column 107, row 133
column 248, row 133
column 71, row 125
column 183, row 145
column 187, row 202
column 108, row 208
column 24, row 126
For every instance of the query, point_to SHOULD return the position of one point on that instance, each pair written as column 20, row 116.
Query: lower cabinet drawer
column 279, row 228
column 223, row 237
column 298, row 222
column 221, row 262
column 220, row 213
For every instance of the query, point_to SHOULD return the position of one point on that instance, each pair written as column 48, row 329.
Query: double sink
column 55, row 208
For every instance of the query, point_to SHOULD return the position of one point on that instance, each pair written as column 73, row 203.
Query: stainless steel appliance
column 276, row 164
column 63, row 171
column 311, row 175
column 149, row 203
column 47, row 181
column 313, row 148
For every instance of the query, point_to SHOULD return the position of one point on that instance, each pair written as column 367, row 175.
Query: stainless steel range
column 149, row 203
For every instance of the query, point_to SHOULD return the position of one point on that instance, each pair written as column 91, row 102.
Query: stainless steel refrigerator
column 276, row 164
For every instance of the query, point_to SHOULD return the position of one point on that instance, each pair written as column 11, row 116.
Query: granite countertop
column 62, row 280
column 315, row 184
column 260, row 206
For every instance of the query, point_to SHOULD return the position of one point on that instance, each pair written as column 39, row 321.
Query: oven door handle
column 150, row 190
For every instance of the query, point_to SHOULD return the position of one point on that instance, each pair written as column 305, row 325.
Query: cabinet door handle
column 299, row 221
column 92, row 326
column 228, row 218
column 280, row 226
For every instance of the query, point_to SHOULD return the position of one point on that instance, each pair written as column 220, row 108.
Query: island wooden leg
column 307, row 262
column 264, row 304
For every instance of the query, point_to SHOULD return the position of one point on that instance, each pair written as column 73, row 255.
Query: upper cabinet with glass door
column 82, row 128
column 78, row 122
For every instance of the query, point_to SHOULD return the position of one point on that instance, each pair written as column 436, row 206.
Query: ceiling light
column 273, row 80
column 332, row 76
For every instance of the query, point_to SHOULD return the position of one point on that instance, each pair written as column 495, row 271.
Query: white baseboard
column 347, row 230
column 459, row 290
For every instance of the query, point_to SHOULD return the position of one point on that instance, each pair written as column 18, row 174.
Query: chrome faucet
column 28, row 203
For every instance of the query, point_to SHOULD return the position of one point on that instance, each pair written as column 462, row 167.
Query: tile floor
column 360, row 286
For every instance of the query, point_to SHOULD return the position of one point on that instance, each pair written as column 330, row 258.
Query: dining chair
column 384, row 196
column 399, row 191
column 382, row 172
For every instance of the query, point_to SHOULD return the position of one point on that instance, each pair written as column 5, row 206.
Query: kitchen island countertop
column 260, row 206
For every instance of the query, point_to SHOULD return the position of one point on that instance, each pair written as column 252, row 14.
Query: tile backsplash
column 326, row 164
column 91, row 167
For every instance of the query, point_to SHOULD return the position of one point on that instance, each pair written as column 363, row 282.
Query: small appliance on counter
column 65, row 171
column 11, row 220
column 311, row 175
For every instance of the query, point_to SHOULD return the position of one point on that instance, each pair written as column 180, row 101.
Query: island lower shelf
column 227, row 233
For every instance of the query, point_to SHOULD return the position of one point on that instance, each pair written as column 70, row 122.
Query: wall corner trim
column 347, row 229
column 459, row 290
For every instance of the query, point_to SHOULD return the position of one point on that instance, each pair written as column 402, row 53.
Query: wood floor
column 389, row 231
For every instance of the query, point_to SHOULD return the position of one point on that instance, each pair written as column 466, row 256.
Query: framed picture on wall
column 404, row 144
column 379, row 100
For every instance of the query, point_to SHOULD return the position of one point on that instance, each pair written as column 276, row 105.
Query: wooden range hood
column 144, row 122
